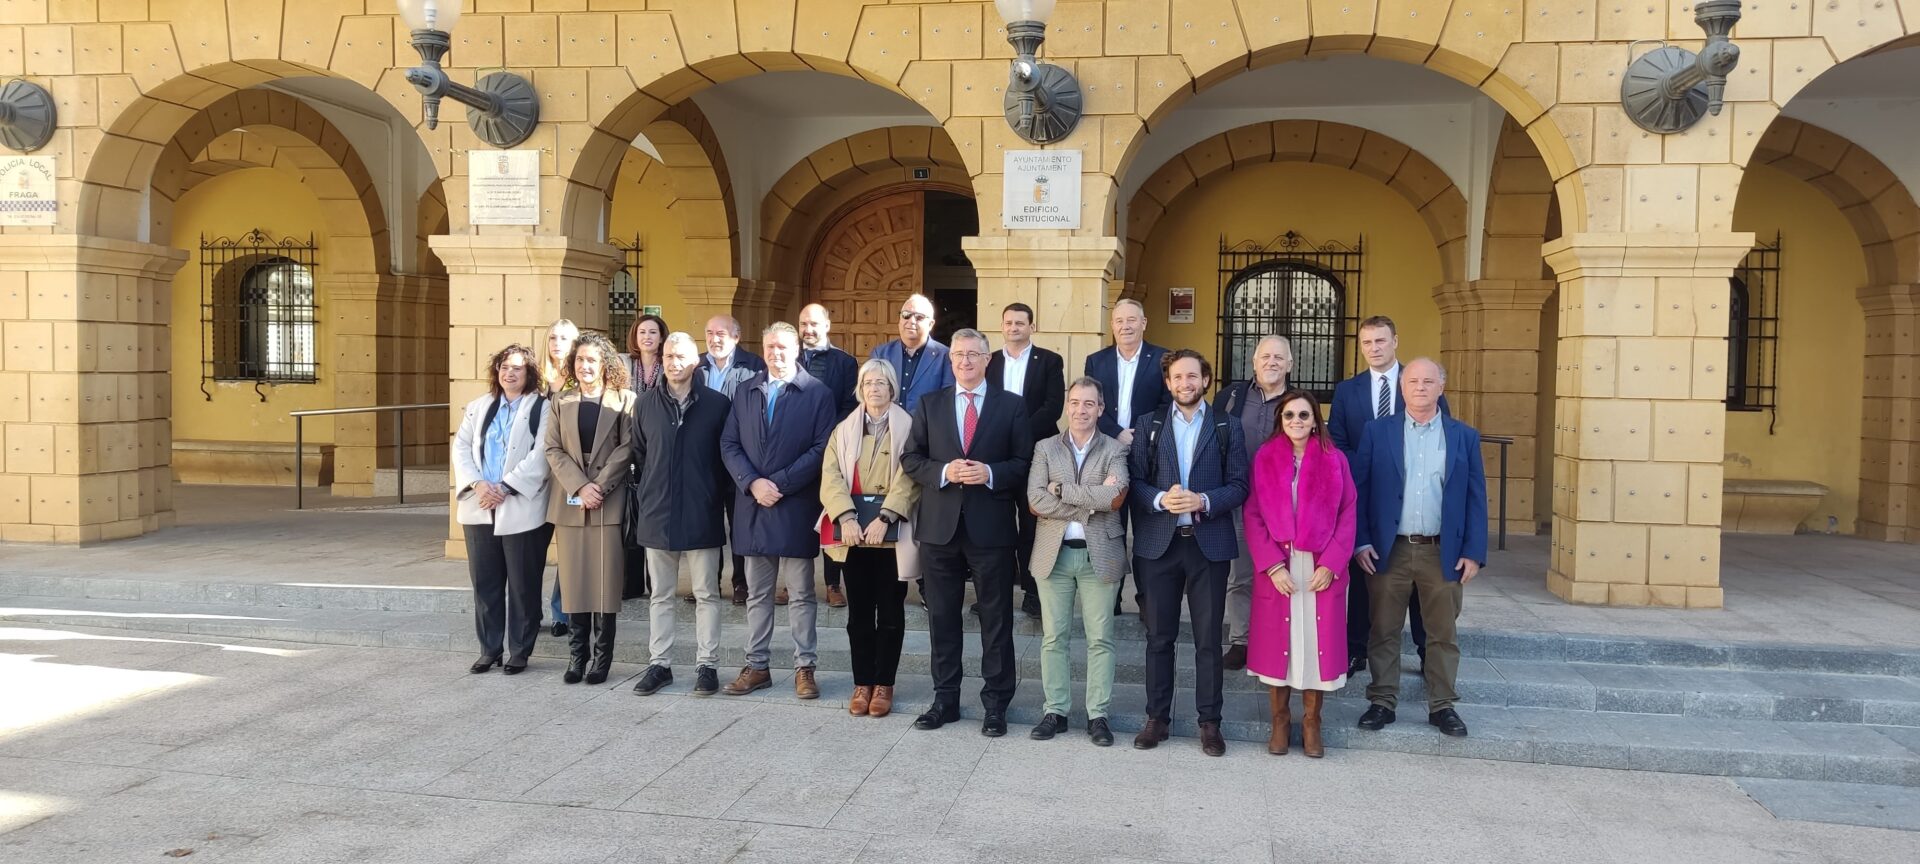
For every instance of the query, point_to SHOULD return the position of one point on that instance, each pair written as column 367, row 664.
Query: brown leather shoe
column 780, row 596
column 750, row 679
column 862, row 699
column 1150, row 735
column 1278, row 701
column 1310, row 742
column 882, row 703
column 836, row 597
column 803, row 683
column 1211, row 742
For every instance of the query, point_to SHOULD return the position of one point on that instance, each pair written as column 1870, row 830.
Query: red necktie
column 968, row 424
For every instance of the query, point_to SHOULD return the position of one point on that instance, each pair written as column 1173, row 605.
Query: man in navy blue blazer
column 1423, row 523
column 724, row 368
column 1129, row 369
column 919, row 360
column 1188, row 465
column 1357, row 401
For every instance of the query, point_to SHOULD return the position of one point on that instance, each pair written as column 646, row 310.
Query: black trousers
column 945, row 568
column 1023, row 552
column 1183, row 571
column 876, row 616
column 506, row 570
column 832, row 570
column 1360, row 613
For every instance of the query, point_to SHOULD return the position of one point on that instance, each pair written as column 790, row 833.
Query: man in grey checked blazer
column 1075, row 489
column 1188, row 465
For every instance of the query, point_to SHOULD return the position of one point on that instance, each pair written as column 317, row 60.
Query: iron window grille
column 1295, row 288
column 1753, row 331
column 258, row 306
column 624, row 294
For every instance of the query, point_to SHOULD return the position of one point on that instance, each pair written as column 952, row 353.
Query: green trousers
column 1073, row 575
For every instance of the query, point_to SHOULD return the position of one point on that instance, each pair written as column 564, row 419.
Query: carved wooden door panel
column 867, row 263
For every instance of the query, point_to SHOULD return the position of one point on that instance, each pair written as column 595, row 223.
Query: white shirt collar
column 1008, row 350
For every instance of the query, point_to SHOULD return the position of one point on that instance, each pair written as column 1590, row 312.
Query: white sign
column 28, row 193
column 503, row 187
column 1179, row 305
column 1042, row 189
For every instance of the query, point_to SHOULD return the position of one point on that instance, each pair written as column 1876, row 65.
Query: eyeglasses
column 914, row 316
column 969, row 356
column 1296, row 415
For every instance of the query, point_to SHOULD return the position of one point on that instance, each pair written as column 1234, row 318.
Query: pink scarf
column 1323, row 524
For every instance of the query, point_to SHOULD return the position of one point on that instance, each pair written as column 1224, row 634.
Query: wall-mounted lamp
column 1043, row 100
column 1670, row 88
column 503, row 110
column 26, row 116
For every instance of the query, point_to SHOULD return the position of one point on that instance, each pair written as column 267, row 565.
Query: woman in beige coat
column 589, row 443
column 863, row 459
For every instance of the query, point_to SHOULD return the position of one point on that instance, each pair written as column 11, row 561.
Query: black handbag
column 634, row 582
column 630, row 513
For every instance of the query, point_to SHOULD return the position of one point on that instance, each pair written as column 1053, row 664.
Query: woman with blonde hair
column 866, row 496
column 589, row 442
column 553, row 363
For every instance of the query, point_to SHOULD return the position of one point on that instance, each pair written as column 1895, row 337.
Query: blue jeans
column 559, row 617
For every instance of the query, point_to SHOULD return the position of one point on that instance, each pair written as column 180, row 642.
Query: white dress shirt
column 1013, row 377
column 960, row 421
column 1125, row 370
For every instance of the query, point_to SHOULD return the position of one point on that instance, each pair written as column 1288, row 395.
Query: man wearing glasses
column 920, row 361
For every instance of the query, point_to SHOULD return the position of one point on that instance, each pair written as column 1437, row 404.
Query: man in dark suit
column 917, row 358
column 1357, row 401
column 723, row 368
column 1129, row 373
column 969, row 451
column 1188, row 470
column 1039, row 378
column 1423, row 522
column 837, row 369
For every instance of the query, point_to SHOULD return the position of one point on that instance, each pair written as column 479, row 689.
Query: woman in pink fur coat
column 1300, row 524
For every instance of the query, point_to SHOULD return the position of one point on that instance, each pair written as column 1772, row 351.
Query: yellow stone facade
column 1632, row 233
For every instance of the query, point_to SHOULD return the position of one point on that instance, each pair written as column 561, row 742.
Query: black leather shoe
column 1098, row 731
column 484, row 664
column 559, row 629
column 1235, row 658
column 1031, row 605
column 1449, row 722
column 1357, row 665
column 512, row 668
column 706, row 681
column 937, row 716
column 652, row 680
column 995, row 725
column 1050, row 725
column 1376, row 718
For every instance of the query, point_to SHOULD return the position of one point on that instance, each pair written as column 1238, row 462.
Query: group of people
column 1298, row 544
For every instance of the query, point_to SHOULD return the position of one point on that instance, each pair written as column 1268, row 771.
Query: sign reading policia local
column 1042, row 189
column 27, row 191
column 503, row 187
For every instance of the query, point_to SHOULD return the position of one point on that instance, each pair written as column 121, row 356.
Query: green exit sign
column 649, row 310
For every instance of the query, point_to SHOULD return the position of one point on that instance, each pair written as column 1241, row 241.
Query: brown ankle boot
column 1279, row 699
column 1310, row 724
column 882, row 703
column 862, row 696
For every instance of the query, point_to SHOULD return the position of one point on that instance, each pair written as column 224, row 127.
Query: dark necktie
column 1385, row 404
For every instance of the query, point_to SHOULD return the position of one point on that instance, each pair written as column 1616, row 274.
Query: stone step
column 1479, row 643
column 1711, row 694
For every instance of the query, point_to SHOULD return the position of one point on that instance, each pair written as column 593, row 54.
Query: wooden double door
column 873, row 256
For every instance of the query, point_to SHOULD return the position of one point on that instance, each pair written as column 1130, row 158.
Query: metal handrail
column 399, row 442
column 1504, row 443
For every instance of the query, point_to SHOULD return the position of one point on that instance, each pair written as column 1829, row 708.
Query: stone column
column 505, row 289
column 352, row 310
column 707, row 296
column 1890, row 425
column 84, row 388
column 1640, row 421
column 1058, row 276
column 1490, row 344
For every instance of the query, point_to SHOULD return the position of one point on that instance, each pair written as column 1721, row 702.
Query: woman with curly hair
column 588, row 445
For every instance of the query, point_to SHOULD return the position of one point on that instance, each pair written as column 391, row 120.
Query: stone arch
column 1403, row 169
column 702, row 189
column 837, row 177
column 1489, row 56
column 1884, row 217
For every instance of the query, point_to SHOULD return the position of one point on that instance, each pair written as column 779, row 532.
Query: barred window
column 1290, row 288
column 258, row 310
column 1753, row 330
column 623, row 293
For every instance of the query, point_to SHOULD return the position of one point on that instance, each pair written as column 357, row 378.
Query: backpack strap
column 533, row 423
column 1153, row 439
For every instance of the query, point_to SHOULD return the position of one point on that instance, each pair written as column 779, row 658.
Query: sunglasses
column 913, row 316
column 1296, row 415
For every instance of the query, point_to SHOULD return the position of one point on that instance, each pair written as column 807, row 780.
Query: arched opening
column 902, row 240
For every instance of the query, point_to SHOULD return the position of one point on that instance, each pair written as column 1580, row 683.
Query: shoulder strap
column 533, row 423
column 1220, row 435
column 1153, row 440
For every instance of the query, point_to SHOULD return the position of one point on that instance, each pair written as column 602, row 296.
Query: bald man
column 917, row 358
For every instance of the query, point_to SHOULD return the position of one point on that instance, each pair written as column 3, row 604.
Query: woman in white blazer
column 500, row 477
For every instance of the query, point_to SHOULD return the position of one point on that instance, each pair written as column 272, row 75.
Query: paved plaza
column 177, row 695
